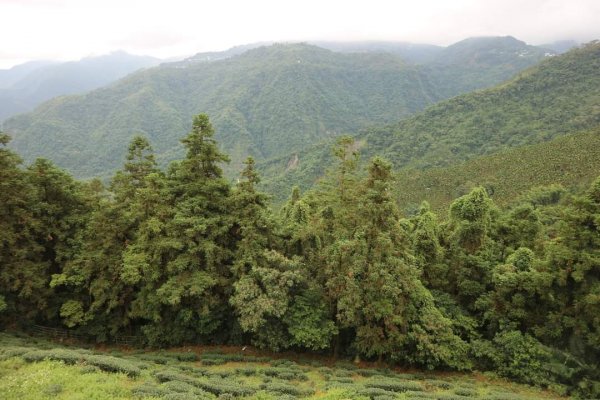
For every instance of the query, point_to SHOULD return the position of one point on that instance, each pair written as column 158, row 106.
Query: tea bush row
column 70, row 357
column 287, row 374
column 395, row 385
column 286, row 389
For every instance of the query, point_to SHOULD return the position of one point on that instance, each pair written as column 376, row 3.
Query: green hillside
column 34, row 368
column 473, row 63
column 572, row 161
column 265, row 102
column 558, row 97
column 22, row 88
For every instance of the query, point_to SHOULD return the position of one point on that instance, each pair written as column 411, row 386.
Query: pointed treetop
column 249, row 173
column 4, row 138
column 140, row 158
column 295, row 196
column 203, row 155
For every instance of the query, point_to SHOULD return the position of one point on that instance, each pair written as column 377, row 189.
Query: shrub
column 89, row 369
column 342, row 373
column 407, row 377
column 181, row 387
column 367, row 372
column 461, row 391
column 257, row 359
column 219, row 374
column 113, row 364
column 345, row 365
column 283, row 363
column 287, row 374
column 286, row 388
column 513, row 355
column 67, row 356
column 372, row 393
column 453, row 397
column 155, row 359
column 168, row 376
column 53, row 390
column 503, row 396
column 341, row 379
column 9, row 352
column 211, row 361
column 229, row 387
column 420, row 395
column 149, row 390
column 438, row 383
column 183, row 396
column 395, row 385
column 384, row 397
column 183, row 356
column 246, row 371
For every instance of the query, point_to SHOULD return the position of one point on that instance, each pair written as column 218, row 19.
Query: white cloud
column 71, row 29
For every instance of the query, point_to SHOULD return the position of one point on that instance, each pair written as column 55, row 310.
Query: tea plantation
column 33, row 368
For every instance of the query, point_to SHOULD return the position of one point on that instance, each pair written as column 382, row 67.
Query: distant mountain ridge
column 265, row 102
column 9, row 77
column 558, row 97
column 24, row 87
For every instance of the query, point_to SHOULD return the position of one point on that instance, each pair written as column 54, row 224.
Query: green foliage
column 113, row 364
column 515, row 356
column 266, row 102
column 104, row 363
column 548, row 101
column 285, row 388
column 181, row 380
column 506, row 176
column 393, row 385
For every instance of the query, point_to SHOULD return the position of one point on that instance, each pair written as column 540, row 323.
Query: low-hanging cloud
column 69, row 29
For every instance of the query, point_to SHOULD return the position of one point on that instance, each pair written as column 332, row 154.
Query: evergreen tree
column 574, row 258
column 393, row 313
column 61, row 212
column 97, row 277
column 271, row 295
column 187, row 247
column 22, row 274
column 471, row 252
column 429, row 253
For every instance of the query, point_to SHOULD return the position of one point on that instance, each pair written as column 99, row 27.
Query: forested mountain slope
column 558, row 97
column 24, row 87
column 572, row 161
column 266, row 102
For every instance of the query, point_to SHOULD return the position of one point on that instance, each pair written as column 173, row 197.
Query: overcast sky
column 72, row 29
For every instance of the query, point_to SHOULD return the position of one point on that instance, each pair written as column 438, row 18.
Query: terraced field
column 32, row 368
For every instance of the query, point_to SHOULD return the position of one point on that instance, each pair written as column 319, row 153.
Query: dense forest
column 265, row 102
column 181, row 256
column 555, row 98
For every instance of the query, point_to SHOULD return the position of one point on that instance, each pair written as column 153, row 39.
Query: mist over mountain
column 9, row 77
column 25, row 86
column 560, row 46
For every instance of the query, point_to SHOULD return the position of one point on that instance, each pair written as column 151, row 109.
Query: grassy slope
column 163, row 375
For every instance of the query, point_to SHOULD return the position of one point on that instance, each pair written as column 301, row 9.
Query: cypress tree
column 185, row 253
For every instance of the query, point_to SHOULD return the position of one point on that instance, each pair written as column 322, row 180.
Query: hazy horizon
column 67, row 30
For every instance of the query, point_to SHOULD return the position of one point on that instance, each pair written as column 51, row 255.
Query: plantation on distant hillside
column 572, row 161
column 556, row 98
